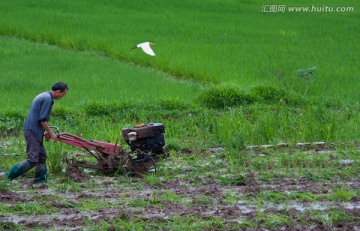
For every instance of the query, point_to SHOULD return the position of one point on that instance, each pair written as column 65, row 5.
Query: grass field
column 208, row 42
column 225, row 76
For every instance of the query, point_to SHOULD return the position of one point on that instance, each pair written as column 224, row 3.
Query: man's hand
column 53, row 136
column 50, row 133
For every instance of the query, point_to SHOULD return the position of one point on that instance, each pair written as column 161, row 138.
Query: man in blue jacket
column 35, row 125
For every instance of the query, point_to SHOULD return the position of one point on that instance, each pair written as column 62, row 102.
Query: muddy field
column 203, row 202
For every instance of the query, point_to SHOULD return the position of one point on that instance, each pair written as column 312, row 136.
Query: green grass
column 28, row 68
column 228, row 42
column 225, row 75
column 267, row 104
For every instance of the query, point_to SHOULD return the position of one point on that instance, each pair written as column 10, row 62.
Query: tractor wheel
column 144, row 164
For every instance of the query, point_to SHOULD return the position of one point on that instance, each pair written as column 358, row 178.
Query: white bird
column 146, row 47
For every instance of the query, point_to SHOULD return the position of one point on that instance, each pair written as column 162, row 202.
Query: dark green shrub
column 101, row 109
column 61, row 112
column 220, row 97
column 173, row 104
column 14, row 115
column 271, row 94
column 11, row 123
column 267, row 93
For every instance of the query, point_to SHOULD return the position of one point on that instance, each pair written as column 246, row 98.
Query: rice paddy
column 259, row 101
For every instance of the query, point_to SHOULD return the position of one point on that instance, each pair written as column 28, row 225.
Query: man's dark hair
column 60, row 86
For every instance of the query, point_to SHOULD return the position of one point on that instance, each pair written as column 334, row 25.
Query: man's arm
column 46, row 127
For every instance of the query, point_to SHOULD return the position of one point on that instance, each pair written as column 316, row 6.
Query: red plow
column 146, row 143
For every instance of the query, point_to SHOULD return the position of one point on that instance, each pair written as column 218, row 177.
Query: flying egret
column 146, row 47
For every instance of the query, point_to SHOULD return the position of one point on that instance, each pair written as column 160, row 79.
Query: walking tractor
column 146, row 143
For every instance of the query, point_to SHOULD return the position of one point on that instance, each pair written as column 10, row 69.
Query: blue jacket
column 39, row 111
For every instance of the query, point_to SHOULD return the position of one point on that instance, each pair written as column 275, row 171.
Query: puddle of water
column 314, row 206
column 346, row 161
column 352, row 205
column 247, row 208
column 296, row 206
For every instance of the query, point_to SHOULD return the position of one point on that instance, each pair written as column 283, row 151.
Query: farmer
column 35, row 125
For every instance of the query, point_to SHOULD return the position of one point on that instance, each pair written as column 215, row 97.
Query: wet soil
column 64, row 212
column 203, row 197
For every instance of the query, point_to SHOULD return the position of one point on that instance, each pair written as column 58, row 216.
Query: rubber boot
column 19, row 169
column 40, row 173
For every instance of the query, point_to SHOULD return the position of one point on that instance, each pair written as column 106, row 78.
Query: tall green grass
column 246, row 61
column 212, row 41
column 190, row 124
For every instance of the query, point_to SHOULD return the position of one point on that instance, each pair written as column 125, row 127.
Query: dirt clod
column 76, row 174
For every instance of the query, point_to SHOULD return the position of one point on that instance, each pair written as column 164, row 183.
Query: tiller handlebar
column 146, row 144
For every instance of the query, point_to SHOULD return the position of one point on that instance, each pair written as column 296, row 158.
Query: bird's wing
column 147, row 49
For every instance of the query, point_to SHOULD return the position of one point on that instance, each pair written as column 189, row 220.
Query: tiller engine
column 146, row 143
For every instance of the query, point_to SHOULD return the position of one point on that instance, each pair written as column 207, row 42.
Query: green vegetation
column 228, row 42
column 225, row 75
column 251, row 69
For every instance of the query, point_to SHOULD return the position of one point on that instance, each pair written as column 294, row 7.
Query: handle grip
column 47, row 135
